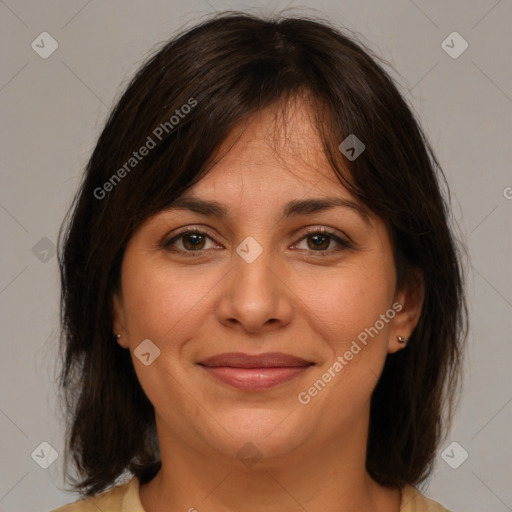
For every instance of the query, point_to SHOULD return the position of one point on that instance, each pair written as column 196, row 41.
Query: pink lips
column 254, row 373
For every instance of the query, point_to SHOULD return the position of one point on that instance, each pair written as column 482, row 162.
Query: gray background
column 52, row 111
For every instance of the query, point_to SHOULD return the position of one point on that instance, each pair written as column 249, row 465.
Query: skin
column 291, row 300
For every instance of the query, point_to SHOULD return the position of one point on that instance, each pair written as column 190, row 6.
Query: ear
column 409, row 301
column 119, row 319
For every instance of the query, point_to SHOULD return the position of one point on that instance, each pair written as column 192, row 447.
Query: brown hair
column 226, row 69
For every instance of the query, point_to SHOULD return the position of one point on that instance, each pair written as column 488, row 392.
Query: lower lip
column 255, row 379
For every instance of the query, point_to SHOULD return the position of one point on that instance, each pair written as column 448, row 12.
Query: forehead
column 279, row 150
column 273, row 162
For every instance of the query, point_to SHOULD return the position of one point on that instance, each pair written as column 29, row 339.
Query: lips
column 255, row 372
column 267, row 360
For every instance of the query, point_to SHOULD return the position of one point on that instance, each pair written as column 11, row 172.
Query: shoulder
column 414, row 501
column 122, row 498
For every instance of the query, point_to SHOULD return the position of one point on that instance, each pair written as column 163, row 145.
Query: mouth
column 255, row 372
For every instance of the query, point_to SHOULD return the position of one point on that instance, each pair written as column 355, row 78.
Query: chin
column 260, row 433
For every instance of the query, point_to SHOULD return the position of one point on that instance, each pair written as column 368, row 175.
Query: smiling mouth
column 255, row 372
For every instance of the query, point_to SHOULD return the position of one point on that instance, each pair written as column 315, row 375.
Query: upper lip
column 266, row 360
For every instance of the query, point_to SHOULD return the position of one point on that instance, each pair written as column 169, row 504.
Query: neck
column 326, row 476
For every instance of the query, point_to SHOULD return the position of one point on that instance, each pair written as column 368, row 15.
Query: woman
column 262, row 301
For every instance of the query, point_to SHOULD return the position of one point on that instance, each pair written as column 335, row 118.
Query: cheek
column 348, row 318
column 163, row 306
column 348, row 301
column 162, row 303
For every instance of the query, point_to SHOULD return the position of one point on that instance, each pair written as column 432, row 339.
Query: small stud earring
column 118, row 336
column 401, row 340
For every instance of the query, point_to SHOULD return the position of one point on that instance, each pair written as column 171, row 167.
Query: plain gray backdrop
column 52, row 111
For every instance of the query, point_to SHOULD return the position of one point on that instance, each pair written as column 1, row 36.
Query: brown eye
column 319, row 241
column 190, row 242
column 193, row 241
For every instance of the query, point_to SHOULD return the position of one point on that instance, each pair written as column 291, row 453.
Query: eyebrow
column 293, row 208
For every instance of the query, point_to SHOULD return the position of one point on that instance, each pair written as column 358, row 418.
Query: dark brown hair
column 226, row 69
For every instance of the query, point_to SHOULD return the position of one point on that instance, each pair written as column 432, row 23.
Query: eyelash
column 344, row 244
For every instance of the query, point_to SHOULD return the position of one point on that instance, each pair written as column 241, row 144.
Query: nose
column 255, row 297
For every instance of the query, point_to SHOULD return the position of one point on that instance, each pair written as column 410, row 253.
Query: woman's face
column 261, row 279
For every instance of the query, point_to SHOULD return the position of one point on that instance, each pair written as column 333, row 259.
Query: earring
column 118, row 336
column 401, row 340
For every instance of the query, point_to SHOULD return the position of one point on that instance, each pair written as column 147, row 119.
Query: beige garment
column 125, row 498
